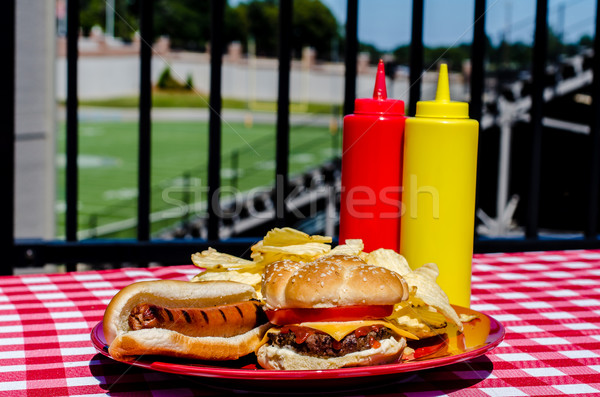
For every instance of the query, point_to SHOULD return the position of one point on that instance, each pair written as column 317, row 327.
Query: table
column 549, row 303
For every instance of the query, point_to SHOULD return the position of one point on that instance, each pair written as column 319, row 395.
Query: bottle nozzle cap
column 442, row 106
column 379, row 104
column 380, row 90
column 443, row 88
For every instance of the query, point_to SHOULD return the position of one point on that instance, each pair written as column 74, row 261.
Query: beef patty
column 322, row 345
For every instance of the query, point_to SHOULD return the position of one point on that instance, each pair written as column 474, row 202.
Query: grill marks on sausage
column 188, row 319
column 169, row 314
column 240, row 312
column 204, row 316
column 225, row 321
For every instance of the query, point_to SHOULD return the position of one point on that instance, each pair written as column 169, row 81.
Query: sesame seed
column 364, row 279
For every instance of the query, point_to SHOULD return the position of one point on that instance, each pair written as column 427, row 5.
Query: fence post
column 416, row 56
column 476, row 84
column 540, row 50
column 283, row 111
column 351, row 55
column 217, row 16
column 145, row 106
column 591, row 230
column 72, row 126
column 7, row 137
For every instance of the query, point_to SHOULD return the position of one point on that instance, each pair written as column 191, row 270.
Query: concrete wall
column 35, row 119
column 249, row 79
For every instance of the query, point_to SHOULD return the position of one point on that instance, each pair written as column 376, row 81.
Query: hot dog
column 212, row 320
column 226, row 320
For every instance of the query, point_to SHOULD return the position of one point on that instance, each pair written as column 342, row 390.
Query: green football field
column 108, row 158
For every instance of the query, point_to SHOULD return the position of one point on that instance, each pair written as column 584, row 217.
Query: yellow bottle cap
column 442, row 106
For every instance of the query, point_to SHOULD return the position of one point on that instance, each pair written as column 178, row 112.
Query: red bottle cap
column 380, row 104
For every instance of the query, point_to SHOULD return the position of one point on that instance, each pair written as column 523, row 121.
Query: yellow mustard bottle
column 439, row 176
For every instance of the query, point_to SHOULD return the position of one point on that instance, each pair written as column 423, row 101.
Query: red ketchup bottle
column 372, row 158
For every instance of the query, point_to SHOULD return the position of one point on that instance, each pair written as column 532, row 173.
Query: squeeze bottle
column 440, row 168
column 372, row 169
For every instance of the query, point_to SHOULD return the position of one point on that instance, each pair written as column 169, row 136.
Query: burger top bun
column 331, row 281
column 170, row 293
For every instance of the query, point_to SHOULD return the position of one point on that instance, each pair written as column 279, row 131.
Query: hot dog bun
column 125, row 343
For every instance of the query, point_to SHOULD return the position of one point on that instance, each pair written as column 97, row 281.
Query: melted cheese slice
column 339, row 330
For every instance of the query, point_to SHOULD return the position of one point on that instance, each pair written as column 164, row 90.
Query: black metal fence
column 144, row 249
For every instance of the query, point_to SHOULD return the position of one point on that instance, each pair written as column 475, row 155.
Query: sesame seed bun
column 331, row 281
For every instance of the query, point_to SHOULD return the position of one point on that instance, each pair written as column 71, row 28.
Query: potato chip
column 214, row 260
column 426, row 314
column 427, row 292
column 256, row 254
column 232, row 275
column 465, row 318
column 352, row 247
column 307, row 252
column 423, row 321
column 278, row 244
column 424, row 291
column 281, row 237
column 414, row 326
column 389, row 259
column 253, row 279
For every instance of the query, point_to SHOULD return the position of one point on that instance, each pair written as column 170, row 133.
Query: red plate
column 479, row 337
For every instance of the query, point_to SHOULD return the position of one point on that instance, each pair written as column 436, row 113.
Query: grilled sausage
column 223, row 321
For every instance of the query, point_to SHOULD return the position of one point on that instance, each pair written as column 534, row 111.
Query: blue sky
column 386, row 23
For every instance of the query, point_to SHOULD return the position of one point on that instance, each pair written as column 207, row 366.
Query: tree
column 402, row 55
column 93, row 13
column 236, row 25
column 454, row 56
column 262, row 25
column 315, row 26
column 186, row 22
column 586, row 41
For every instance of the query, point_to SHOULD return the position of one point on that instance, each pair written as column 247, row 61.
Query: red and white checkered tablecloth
column 549, row 303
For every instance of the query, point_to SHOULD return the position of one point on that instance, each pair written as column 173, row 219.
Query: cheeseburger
column 330, row 314
column 212, row 320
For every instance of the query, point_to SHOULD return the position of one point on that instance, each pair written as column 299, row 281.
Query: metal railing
column 143, row 249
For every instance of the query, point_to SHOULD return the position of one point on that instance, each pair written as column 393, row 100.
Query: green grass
column 191, row 99
column 108, row 167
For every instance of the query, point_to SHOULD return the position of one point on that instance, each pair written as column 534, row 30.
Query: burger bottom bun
column 158, row 341
column 273, row 357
